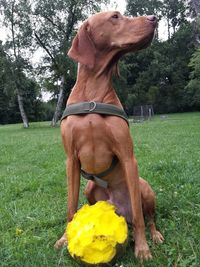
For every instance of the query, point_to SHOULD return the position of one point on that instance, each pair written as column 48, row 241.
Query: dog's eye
column 116, row 16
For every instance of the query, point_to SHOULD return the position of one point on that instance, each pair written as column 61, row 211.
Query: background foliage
column 166, row 75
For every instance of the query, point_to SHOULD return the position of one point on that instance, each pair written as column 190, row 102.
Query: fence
column 141, row 113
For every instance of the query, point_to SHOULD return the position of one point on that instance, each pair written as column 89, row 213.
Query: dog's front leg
column 73, row 176
column 132, row 179
column 73, row 185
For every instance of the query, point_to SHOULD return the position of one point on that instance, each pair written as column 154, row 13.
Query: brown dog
column 91, row 141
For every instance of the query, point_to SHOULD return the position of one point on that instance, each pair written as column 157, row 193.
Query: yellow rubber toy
column 96, row 233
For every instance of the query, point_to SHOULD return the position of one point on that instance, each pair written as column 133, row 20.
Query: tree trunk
column 57, row 112
column 168, row 28
column 22, row 111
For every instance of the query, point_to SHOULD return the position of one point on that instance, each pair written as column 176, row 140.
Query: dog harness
column 97, row 178
column 96, row 108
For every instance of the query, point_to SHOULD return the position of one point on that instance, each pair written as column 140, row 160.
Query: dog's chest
column 121, row 200
column 92, row 145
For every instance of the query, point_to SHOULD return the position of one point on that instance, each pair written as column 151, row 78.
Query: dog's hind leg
column 95, row 193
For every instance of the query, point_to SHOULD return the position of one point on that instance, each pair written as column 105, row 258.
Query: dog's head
column 108, row 35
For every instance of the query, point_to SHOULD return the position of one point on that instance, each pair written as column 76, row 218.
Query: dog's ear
column 83, row 49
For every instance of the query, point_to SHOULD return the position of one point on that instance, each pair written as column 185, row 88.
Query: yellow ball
column 95, row 233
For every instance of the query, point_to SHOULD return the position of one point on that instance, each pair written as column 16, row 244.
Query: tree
column 159, row 74
column 175, row 13
column 5, row 80
column 9, row 110
column 192, row 90
column 194, row 8
column 17, row 21
column 143, row 7
column 195, row 65
column 55, row 21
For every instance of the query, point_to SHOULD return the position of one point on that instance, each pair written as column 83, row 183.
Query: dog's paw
column 157, row 237
column 61, row 242
column 143, row 253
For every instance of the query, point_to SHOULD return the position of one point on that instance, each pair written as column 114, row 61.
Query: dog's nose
column 152, row 18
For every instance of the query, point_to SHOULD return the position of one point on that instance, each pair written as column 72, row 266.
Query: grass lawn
column 33, row 192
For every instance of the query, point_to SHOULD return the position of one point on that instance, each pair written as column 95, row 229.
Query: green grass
column 33, row 192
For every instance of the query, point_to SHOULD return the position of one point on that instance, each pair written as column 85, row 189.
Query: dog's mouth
column 142, row 45
column 147, row 43
column 143, row 42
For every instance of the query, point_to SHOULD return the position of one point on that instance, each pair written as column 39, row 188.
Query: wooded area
column 166, row 75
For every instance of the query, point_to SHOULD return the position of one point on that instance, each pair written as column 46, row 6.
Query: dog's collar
column 94, row 107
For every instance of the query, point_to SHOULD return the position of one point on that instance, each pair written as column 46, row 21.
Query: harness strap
column 97, row 178
column 98, row 108
column 94, row 107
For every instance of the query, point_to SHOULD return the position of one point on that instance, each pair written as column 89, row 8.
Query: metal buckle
column 92, row 105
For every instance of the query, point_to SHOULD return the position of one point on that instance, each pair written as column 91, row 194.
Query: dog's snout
column 152, row 18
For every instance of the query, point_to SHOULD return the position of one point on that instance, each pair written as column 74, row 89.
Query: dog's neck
column 92, row 86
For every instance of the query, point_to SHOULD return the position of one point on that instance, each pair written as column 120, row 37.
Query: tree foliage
column 17, row 20
column 29, row 90
column 166, row 75
column 192, row 90
column 55, row 22
column 159, row 75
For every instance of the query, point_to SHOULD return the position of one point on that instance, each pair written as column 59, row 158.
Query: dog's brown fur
column 91, row 141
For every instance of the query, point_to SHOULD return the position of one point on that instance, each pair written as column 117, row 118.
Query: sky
column 120, row 5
